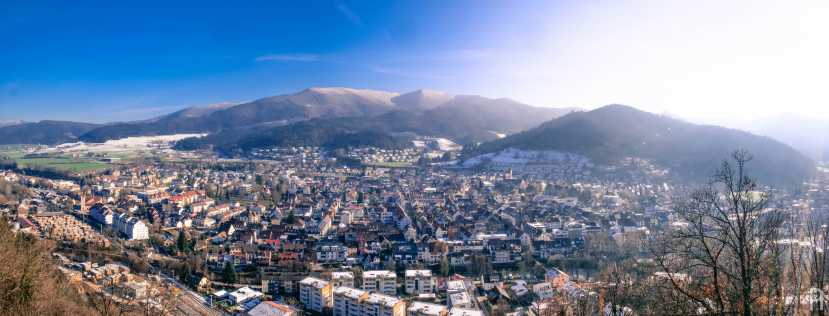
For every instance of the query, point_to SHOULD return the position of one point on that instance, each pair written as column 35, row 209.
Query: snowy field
column 435, row 143
column 128, row 144
column 513, row 156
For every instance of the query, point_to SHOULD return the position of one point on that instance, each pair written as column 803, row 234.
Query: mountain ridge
column 612, row 132
column 319, row 102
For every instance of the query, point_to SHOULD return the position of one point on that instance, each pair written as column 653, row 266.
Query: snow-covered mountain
column 421, row 100
column 499, row 115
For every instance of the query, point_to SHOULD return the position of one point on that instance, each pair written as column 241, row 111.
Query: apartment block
column 315, row 294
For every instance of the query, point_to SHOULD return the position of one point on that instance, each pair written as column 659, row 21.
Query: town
column 299, row 233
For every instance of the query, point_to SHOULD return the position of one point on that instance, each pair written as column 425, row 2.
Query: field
column 82, row 158
column 65, row 163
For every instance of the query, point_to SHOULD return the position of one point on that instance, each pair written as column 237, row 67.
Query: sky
column 128, row 60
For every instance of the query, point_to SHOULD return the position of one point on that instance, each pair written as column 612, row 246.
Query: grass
column 59, row 163
column 74, row 165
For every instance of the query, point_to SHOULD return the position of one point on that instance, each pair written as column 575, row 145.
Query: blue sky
column 126, row 60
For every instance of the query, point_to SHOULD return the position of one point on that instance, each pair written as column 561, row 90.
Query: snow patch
column 124, row 144
column 513, row 156
column 436, row 143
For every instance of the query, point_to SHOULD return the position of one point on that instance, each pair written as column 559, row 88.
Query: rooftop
column 316, row 283
column 464, row 312
column 426, row 308
column 416, row 273
column 380, row 299
column 349, row 292
column 379, row 274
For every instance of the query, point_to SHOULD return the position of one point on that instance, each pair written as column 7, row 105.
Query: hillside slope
column 44, row 132
column 613, row 132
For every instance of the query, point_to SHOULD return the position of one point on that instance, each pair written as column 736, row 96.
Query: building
column 130, row 226
column 315, row 294
column 419, row 282
column 331, row 252
column 270, row 308
column 380, row 281
column 426, row 309
column 458, row 295
column 460, row 299
column 243, row 295
column 348, row 301
column 464, row 312
column 101, row 214
column 354, row 302
column 383, row 305
column 342, row 279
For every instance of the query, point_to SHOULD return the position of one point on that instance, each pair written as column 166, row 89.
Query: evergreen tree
column 229, row 272
column 180, row 242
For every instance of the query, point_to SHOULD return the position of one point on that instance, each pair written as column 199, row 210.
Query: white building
column 243, row 295
column 315, row 294
column 134, row 228
column 383, row 305
column 419, row 282
column 380, row 281
column 426, row 309
column 354, row 302
column 102, row 215
column 342, row 279
column 331, row 252
column 348, row 301
column 465, row 312
column 460, row 299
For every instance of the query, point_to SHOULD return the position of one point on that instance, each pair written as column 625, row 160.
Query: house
column 543, row 290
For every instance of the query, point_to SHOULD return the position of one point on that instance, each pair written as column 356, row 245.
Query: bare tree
column 816, row 233
column 106, row 302
column 159, row 299
column 717, row 255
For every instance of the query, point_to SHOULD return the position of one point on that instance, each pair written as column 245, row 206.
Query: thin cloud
column 350, row 15
column 405, row 74
column 289, row 57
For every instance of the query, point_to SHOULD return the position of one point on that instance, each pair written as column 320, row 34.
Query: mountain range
column 341, row 117
column 484, row 117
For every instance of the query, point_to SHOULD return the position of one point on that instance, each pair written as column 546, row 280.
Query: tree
column 181, row 242
column 717, row 257
column 229, row 273
column 817, row 256
column 159, row 299
column 105, row 303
